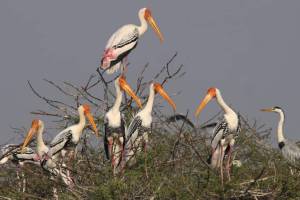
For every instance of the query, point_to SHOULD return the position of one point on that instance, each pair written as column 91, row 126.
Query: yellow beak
column 202, row 105
column 28, row 138
column 266, row 110
column 92, row 122
column 156, row 29
column 124, row 86
column 163, row 93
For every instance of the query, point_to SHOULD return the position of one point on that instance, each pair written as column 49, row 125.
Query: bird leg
column 221, row 165
column 229, row 162
column 55, row 195
column 110, row 145
column 124, row 67
column 19, row 180
column 24, row 182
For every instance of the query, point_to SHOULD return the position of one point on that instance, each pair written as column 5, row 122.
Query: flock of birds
column 122, row 143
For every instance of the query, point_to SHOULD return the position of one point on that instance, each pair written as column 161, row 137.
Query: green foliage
column 171, row 169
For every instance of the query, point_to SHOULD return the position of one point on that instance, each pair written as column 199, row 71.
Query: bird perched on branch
column 114, row 138
column 12, row 153
column 140, row 126
column 224, row 133
column 289, row 149
column 124, row 40
column 67, row 140
column 43, row 152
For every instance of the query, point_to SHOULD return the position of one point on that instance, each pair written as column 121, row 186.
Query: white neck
column 149, row 105
column 82, row 119
column 39, row 139
column 118, row 101
column 143, row 27
column 222, row 104
column 280, row 136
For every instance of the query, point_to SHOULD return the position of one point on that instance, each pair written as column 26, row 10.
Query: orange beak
column 124, row 86
column 158, row 88
column 30, row 134
column 211, row 93
column 154, row 26
column 92, row 122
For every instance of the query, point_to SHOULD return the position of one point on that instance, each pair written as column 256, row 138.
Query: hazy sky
column 250, row 50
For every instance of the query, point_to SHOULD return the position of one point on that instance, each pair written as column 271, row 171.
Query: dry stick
column 255, row 180
column 178, row 137
column 88, row 82
column 81, row 93
column 44, row 113
column 49, row 101
column 165, row 66
column 170, row 76
column 58, row 87
column 200, row 157
column 6, row 198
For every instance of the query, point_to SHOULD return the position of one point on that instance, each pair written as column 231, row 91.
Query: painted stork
column 12, row 153
column 140, row 126
column 43, row 152
column 114, row 139
column 224, row 133
column 67, row 140
column 289, row 149
column 124, row 40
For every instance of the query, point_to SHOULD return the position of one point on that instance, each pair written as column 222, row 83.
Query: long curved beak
column 155, row 27
column 29, row 136
column 165, row 95
column 124, row 85
column 202, row 105
column 266, row 110
column 92, row 122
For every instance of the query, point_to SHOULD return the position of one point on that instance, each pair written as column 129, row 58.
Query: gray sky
column 250, row 50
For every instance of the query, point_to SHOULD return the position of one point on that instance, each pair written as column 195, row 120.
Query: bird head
column 211, row 93
column 35, row 126
column 160, row 90
column 87, row 112
column 126, row 87
column 272, row 109
column 146, row 13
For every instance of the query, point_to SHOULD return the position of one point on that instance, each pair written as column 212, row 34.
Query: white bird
column 114, row 139
column 11, row 153
column 140, row 126
column 224, row 133
column 289, row 149
column 67, row 140
column 47, row 162
column 124, row 40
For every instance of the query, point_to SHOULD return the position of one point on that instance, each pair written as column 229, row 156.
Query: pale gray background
column 249, row 49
